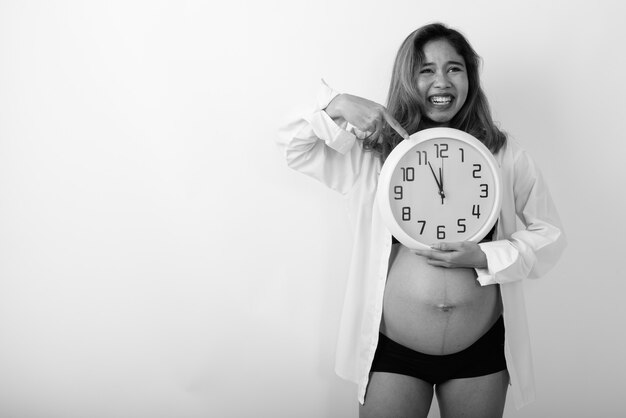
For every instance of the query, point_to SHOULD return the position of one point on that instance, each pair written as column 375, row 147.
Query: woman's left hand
column 455, row 255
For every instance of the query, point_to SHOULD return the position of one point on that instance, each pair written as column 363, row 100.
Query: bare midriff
column 435, row 310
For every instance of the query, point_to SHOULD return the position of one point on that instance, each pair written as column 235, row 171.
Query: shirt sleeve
column 323, row 148
column 532, row 251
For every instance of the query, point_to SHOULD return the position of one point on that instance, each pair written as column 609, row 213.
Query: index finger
column 447, row 246
column 432, row 254
column 428, row 253
column 395, row 125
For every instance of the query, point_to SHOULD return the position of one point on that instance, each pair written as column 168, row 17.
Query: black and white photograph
column 312, row 209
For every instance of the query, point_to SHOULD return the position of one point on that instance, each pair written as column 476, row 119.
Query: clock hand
column 437, row 181
column 441, row 174
column 441, row 192
column 434, row 175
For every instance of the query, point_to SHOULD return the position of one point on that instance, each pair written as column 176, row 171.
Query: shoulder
column 513, row 156
column 511, row 148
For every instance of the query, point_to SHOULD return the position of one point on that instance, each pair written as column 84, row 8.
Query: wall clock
column 441, row 184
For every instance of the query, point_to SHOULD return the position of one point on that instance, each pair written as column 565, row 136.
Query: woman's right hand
column 365, row 115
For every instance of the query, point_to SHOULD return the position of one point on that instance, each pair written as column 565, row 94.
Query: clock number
column 441, row 232
column 441, row 151
column 398, row 193
column 461, row 224
column 406, row 213
column 408, row 173
column 423, row 223
column 462, row 154
column 476, row 171
column 484, row 190
column 476, row 211
column 422, row 158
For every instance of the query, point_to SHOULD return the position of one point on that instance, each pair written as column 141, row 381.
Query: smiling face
column 442, row 81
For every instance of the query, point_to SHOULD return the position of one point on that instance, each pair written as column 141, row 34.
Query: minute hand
column 439, row 186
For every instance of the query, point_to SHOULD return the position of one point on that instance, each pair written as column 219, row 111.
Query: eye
column 455, row 69
column 426, row 71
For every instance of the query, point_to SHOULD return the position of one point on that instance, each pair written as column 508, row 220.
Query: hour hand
column 441, row 192
column 441, row 174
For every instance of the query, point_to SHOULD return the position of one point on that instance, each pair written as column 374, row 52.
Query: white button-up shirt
column 329, row 151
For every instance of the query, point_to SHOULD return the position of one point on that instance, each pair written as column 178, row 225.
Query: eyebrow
column 449, row 62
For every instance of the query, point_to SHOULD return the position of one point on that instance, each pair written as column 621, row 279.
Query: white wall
column 157, row 258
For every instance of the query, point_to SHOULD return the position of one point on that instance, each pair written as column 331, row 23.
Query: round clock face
column 439, row 185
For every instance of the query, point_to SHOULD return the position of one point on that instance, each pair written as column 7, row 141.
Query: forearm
column 334, row 108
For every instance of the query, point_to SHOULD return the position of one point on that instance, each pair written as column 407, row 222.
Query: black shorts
column 484, row 357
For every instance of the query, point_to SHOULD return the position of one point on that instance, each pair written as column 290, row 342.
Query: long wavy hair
column 406, row 105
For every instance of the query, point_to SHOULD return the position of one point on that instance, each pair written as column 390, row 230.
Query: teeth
column 441, row 99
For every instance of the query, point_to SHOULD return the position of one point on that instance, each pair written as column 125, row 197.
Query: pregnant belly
column 435, row 310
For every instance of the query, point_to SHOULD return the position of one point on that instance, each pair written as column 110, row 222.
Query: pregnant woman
column 449, row 321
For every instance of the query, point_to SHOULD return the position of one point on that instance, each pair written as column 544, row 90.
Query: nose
column 441, row 80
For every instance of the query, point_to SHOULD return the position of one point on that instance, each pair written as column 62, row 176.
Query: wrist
column 482, row 262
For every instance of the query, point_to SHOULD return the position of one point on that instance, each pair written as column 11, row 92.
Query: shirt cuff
column 325, row 127
column 500, row 255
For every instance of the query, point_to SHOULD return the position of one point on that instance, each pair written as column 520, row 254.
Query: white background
column 158, row 259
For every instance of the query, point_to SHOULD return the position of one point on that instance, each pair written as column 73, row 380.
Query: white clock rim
column 384, row 181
